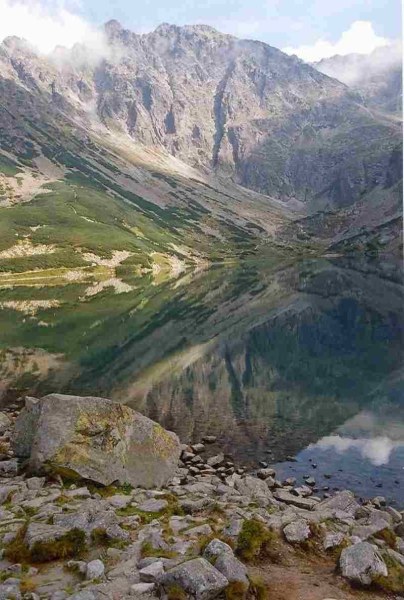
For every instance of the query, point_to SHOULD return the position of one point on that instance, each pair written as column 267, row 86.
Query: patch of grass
column 388, row 536
column 236, row 590
column 175, row 592
column 259, row 588
column 27, row 585
column 173, row 508
column 72, row 544
column 17, row 551
column 100, row 538
column 256, row 542
column 394, row 582
column 147, row 550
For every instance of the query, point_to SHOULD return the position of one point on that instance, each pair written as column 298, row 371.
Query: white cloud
column 44, row 28
column 360, row 38
column 377, row 450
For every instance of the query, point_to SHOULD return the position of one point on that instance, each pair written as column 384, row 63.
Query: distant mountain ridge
column 377, row 77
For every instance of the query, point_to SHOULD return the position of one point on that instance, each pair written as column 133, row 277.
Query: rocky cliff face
column 241, row 108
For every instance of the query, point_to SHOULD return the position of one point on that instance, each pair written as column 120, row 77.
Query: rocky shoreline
column 99, row 502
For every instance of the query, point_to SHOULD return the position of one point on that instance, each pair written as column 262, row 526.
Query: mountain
column 180, row 146
column 377, row 77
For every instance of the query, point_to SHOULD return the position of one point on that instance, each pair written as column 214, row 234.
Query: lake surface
column 298, row 360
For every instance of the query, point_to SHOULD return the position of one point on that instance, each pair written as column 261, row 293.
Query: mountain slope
column 185, row 143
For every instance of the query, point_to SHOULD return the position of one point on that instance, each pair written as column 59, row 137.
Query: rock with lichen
column 96, row 439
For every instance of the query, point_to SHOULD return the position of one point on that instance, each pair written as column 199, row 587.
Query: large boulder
column 197, row 578
column 362, row 563
column 95, row 439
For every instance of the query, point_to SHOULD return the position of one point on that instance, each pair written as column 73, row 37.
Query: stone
column 342, row 501
column 216, row 461
column 83, row 595
column 96, row 439
column 152, row 572
column 198, row 448
column 297, row 531
column 396, row 557
column 395, row 515
column 95, row 569
column 288, row 498
column 253, row 487
column 265, row 473
column 361, row 563
column 233, row 529
column 209, row 439
column 42, row 533
column 153, row 505
column 231, row 568
column 5, row 423
column 35, row 483
column 200, row 530
column 333, row 539
column 25, row 427
column 9, row 468
column 215, row 548
column 139, row 589
column 9, row 592
column 197, row 578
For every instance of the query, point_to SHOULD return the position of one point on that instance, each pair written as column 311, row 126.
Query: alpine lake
column 298, row 364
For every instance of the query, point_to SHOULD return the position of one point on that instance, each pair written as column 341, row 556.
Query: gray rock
column 95, row 569
column 288, row 498
column 265, row 473
column 215, row 548
column 231, row 568
column 361, row 563
column 140, row 589
column 41, row 533
column 152, row 572
column 395, row 515
column 9, row 592
column 96, row 439
column 253, row 488
column 5, row 423
column 196, row 577
column 199, row 530
column 297, row 531
column 153, row 505
column 333, row 540
column 9, row 468
column 198, row 448
column 342, row 501
column 233, row 529
column 215, row 461
column 25, row 427
column 83, row 595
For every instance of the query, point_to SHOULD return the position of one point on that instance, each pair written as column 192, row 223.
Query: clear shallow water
column 298, row 360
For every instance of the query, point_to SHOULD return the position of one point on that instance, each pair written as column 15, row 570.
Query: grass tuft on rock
column 236, row 590
column 73, row 544
column 147, row 551
column 175, row 592
column 256, row 542
column 394, row 582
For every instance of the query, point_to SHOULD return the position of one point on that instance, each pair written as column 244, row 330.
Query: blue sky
column 310, row 28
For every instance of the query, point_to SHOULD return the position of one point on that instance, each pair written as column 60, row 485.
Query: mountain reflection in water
column 301, row 359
